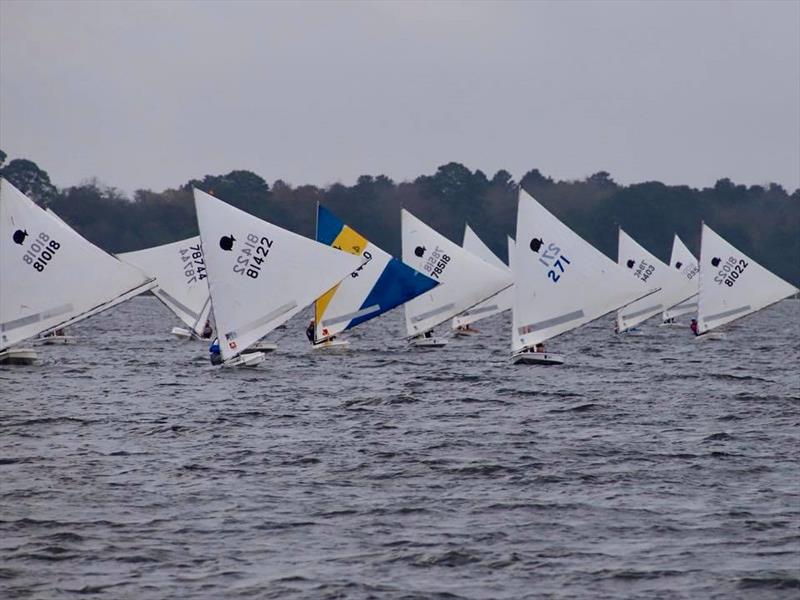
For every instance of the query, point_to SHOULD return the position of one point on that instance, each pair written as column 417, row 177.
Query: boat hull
column 18, row 356
column 465, row 332
column 249, row 359
column 711, row 336
column 331, row 345
column 181, row 333
column 52, row 340
column 423, row 342
column 537, row 358
column 264, row 347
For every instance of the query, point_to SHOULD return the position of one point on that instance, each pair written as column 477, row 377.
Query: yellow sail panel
column 322, row 303
column 349, row 241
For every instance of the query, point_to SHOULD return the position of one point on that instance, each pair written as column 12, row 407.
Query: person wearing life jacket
column 207, row 330
column 693, row 327
column 310, row 331
column 214, row 354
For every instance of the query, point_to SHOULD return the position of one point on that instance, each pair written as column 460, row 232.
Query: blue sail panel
column 328, row 226
column 398, row 284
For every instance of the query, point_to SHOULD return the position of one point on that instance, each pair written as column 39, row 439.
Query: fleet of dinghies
column 242, row 277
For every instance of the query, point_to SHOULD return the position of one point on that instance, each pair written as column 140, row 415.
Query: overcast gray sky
column 151, row 94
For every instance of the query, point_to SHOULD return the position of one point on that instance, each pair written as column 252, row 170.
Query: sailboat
column 50, row 276
column 649, row 270
column 379, row 284
column 498, row 303
column 732, row 285
column 180, row 270
column 683, row 261
column 560, row 283
column 259, row 275
column 466, row 280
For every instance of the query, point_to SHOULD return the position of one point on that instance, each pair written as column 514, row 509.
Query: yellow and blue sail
column 396, row 284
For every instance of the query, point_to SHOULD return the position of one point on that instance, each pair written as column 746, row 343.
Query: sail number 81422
column 252, row 256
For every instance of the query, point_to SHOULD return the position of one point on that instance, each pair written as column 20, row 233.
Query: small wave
column 771, row 582
column 579, row 408
column 451, row 558
column 716, row 437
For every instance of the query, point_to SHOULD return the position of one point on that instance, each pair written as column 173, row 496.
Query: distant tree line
column 763, row 221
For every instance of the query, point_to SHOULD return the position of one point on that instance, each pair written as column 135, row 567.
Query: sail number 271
column 555, row 261
column 252, row 256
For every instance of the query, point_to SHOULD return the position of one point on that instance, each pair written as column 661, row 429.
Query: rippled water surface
column 646, row 467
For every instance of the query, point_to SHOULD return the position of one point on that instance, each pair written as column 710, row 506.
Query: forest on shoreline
column 762, row 221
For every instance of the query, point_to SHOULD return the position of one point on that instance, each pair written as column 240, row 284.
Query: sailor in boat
column 207, row 330
column 310, row 331
column 467, row 328
column 56, row 332
column 214, row 353
column 693, row 327
column 310, row 334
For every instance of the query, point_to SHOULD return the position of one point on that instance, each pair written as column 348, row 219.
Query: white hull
column 187, row 334
column 250, row 359
column 181, row 333
column 264, row 347
column 52, row 340
column 18, row 356
column 331, row 345
column 429, row 342
column 635, row 332
column 672, row 324
column 537, row 358
column 710, row 336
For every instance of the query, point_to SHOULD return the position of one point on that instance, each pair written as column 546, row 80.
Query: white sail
column 180, row 272
column 50, row 276
column 498, row 303
column 560, row 280
column 465, row 279
column 259, row 274
column 649, row 270
column 683, row 261
column 733, row 285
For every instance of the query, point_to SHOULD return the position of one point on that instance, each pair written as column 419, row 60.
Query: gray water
column 646, row 467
